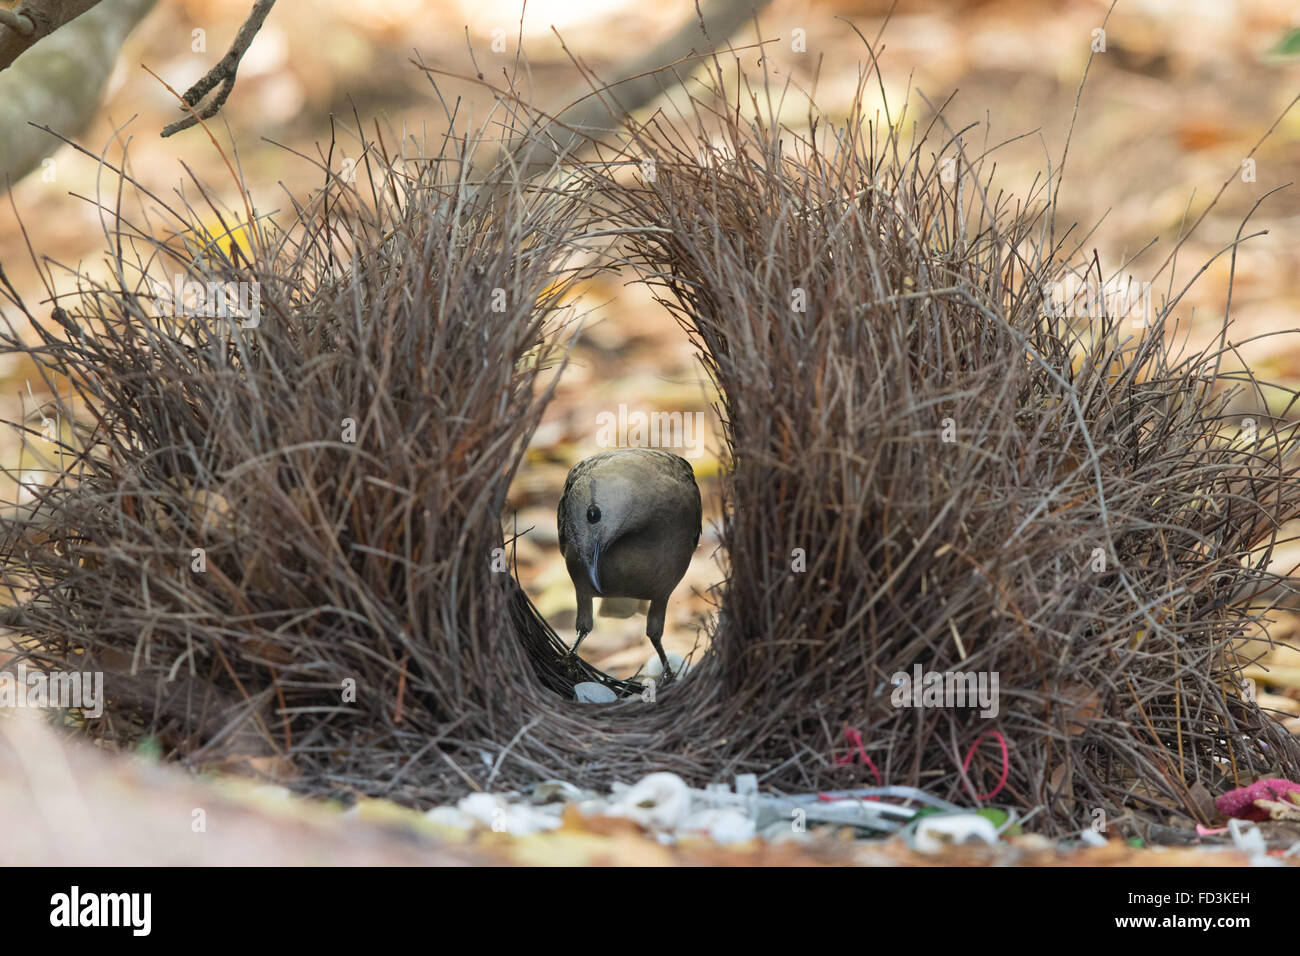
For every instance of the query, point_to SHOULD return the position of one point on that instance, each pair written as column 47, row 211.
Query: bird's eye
column 593, row 514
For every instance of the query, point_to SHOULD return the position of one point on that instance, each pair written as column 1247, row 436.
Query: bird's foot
column 572, row 654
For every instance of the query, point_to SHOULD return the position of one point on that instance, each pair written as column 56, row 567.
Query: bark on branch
column 33, row 20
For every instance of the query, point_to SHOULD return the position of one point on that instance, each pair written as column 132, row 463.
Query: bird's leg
column 583, row 624
column 654, row 629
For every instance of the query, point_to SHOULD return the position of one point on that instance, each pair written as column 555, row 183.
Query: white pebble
column 590, row 692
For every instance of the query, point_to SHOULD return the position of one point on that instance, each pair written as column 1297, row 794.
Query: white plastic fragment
column 482, row 807
column 717, row 794
column 938, row 832
column 450, row 817
column 782, row 831
column 523, row 820
column 498, row 813
column 1249, row 839
column 722, row 825
column 667, row 806
column 1091, row 837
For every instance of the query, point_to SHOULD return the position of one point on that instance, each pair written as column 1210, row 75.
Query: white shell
column 661, row 801
column 653, row 670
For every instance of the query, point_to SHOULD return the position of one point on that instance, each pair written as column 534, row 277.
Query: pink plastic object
column 1240, row 803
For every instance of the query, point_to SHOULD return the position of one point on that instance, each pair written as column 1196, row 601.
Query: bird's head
column 599, row 513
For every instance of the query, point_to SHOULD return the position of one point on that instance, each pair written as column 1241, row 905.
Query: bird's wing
column 559, row 519
column 684, row 471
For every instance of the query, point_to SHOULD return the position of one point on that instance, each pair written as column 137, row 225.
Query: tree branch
column 33, row 20
column 222, row 76
column 58, row 83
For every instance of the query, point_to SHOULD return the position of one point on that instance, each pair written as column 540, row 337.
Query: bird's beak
column 593, row 567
